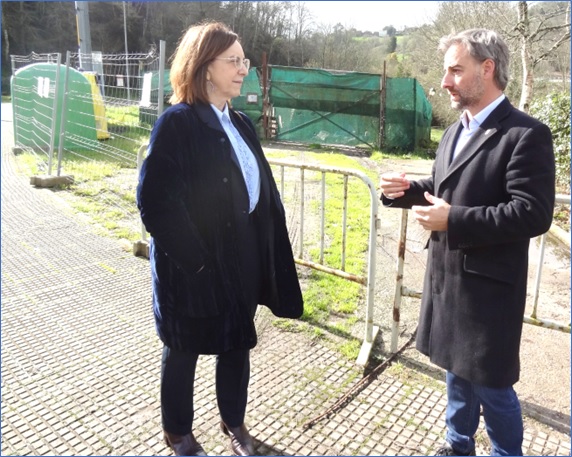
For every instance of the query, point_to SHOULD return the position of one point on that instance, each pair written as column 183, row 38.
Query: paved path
column 80, row 359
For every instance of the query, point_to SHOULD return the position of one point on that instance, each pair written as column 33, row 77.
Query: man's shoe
column 240, row 440
column 447, row 449
column 183, row 444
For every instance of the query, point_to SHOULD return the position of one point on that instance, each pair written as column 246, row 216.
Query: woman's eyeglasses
column 237, row 61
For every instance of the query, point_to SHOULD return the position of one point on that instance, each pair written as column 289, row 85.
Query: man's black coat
column 501, row 192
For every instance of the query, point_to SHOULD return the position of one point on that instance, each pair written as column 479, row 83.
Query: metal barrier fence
column 403, row 291
column 369, row 280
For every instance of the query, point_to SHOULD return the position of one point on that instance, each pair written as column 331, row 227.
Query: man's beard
column 471, row 96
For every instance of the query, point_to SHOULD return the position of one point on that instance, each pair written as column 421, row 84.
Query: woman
column 219, row 243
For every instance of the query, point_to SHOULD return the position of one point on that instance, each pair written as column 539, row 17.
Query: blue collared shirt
column 246, row 158
column 470, row 124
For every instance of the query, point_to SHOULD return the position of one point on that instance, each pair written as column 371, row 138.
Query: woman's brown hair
column 197, row 48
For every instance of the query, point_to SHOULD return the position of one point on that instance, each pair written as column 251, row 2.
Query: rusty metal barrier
column 402, row 291
column 367, row 281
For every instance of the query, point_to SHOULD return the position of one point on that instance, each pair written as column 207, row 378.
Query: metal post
column 161, row 89
column 53, row 132
column 399, row 281
column 126, row 52
column 83, row 34
column 301, row 240
column 63, row 117
column 382, row 110
column 538, row 274
column 323, row 218
column 282, row 183
column 344, row 223
column 265, row 104
column 16, row 128
column 142, row 150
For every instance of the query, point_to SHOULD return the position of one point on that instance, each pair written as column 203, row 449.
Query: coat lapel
column 449, row 147
column 489, row 128
column 472, row 147
column 208, row 116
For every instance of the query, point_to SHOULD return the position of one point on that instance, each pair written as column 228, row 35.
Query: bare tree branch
column 556, row 45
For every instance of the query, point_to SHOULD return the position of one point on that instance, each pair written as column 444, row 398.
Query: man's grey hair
column 482, row 44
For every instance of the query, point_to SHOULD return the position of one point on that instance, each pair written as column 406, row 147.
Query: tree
column 540, row 35
column 392, row 44
column 390, row 30
column 554, row 111
column 546, row 35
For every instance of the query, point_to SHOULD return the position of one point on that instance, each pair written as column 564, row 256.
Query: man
column 491, row 190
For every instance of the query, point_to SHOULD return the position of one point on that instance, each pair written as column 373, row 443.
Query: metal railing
column 403, row 291
column 369, row 280
column 532, row 318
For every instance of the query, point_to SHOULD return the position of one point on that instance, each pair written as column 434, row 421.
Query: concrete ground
column 80, row 359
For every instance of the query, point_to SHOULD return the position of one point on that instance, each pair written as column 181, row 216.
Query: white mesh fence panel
column 100, row 125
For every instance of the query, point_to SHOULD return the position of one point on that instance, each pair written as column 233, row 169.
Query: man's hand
column 393, row 185
column 432, row 217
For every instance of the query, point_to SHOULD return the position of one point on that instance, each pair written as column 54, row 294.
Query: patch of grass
column 437, row 134
column 110, row 225
column 331, row 302
column 412, row 376
column 317, row 333
column 122, row 116
column 350, row 349
column 104, row 180
column 83, row 206
column 379, row 156
column 86, row 191
column 562, row 216
column 426, row 152
column 287, row 325
column 30, row 164
column 86, row 170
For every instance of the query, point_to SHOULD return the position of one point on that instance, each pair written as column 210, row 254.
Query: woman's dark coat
column 501, row 191
column 193, row 201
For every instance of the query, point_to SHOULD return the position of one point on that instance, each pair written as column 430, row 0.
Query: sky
column 373, row 16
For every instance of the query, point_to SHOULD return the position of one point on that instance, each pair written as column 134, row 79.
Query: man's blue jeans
column 501, row 410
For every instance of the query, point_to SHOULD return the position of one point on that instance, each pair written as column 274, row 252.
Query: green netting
column 424, row 116
column 407, row 114
column 250, row 99
column 319, row 106
column 167, row 89
column 313, row 105
column 343, row 108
